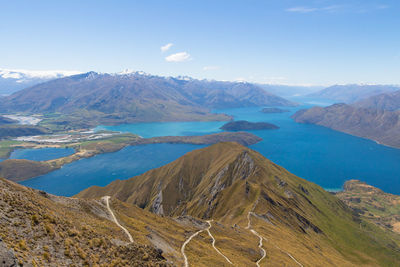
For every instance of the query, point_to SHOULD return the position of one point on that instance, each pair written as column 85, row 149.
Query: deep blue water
column 41, row 154
column 315, row 153
column 152, row 129
column 102, row 169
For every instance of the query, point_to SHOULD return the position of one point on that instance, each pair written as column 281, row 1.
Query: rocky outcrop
column 7, row 257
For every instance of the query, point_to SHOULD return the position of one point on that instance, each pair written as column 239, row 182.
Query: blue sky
column 272, row 41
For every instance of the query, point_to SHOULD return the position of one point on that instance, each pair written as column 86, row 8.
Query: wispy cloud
column 206, row 68
column 166, row 47
column 301, row 9
column 179, row 57
column 337, row 8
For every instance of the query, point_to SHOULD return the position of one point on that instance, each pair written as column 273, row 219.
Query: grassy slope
column 303, row 218
column 45, row 230
column 373, row 204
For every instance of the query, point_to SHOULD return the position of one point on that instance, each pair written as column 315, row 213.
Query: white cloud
column 361, row 8
column 40, row 74
column 178, row 57
column 206, row 68
column 166, row 47
column 301, row 9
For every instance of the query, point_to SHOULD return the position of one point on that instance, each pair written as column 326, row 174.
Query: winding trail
column 187, row 242
column 106, row 199
column 213, row 242
column 260, row 244
column 298, row 263
column 196, row 234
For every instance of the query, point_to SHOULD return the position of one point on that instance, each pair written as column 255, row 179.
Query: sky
column 296, row 42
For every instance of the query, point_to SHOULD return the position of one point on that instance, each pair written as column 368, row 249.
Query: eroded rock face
column 7, row 257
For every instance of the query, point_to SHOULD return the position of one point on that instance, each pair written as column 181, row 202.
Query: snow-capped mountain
column 12, row 80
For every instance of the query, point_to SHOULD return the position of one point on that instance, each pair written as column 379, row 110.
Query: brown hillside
column 231, row 184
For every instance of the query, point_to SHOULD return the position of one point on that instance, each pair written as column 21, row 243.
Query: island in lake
column 246, row 125
column 274, row 110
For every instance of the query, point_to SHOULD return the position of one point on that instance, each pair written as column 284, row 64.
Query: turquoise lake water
column 41, row 154
column 104, row 168
column 315, row 153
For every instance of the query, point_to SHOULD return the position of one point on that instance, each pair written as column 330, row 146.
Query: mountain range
column 386, row 101
column 351, row 93
column 95, row 98
column 12, row 81
column 376, row 117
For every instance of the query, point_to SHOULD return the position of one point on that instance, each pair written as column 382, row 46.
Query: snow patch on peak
column 132, row 72
column 21, row 74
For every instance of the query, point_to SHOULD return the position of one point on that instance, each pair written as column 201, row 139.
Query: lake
column 104, row 168
column 41, row 154
column 315, row 153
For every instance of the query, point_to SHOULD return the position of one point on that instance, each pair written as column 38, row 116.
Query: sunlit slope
column 226, row 181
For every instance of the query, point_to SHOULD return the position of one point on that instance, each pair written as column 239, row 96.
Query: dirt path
column 187, row 242
column 298, row 263
column 260, row 244
column 213, row 242
column 106, row 199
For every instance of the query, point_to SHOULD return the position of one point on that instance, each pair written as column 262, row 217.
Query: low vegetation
column 372, row 204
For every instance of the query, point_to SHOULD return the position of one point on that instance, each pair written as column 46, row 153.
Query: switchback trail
column 213, row 242
column 106, row 199
column 187, row 242
column 260, row 244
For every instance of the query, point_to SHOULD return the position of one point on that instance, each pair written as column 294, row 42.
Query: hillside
column 379, row 125
column 386, row 101
column 350, row 93
column 373, row 204
column 297, row 222
column 38, row 229
column 92, row 98
column 16, row 130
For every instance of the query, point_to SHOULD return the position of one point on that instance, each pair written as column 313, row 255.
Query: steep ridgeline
column 379, row 125
column 287, row 220
column 93, row 98
column 350, row 93
column 386, row 101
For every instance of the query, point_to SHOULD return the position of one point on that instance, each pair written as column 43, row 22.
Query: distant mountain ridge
column 12, row 81
column 350, row 93
column 386, row 101
column 136, row 97
column 383, row 126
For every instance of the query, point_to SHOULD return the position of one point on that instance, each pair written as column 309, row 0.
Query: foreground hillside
column 382, row 126
column 293, row 222
column 90, row 99
column 38, row 229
